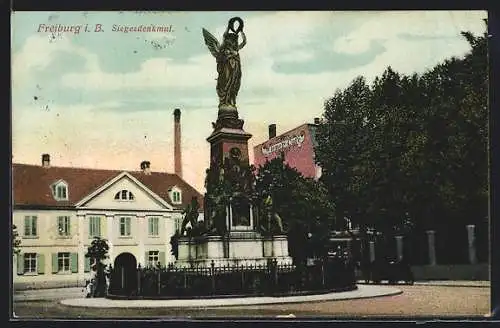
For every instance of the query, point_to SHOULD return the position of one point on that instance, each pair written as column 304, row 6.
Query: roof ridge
column 93, row 169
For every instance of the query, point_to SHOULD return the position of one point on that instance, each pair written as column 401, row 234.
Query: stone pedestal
column 399, row 247
column 471, row 238
column 280, row 246
column 267, row 247
column 242, row 245
column 245, row 248
column 431, row 246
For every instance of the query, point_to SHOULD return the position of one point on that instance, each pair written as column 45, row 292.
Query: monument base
column 237, row 249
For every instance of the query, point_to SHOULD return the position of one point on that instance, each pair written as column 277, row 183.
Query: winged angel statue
column 228, row 62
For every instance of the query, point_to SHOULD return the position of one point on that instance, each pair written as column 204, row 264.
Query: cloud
column 274, row 33
column 388, row 25
column 297, row 56
column 153, row 73
column 116, row 120
column 39, row 51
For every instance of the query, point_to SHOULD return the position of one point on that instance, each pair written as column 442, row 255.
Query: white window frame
column 94, row 226
column 153, row 226
column 31, row 259
column 176, row 195
column 63, row 257
column 153, row 258
column 125, row 222
column 178, row 223
column 64, row 225
column 124, row 195
column 60, row 190
column 32, row 229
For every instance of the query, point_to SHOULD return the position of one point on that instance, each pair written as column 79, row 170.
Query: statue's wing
column 211, row 42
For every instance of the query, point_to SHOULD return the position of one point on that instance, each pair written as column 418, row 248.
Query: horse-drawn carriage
column 392, row 271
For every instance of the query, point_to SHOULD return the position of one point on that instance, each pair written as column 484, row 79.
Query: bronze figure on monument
column 228, row 62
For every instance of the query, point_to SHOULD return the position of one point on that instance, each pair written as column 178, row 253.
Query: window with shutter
column 30, row 263
column 87, row 265
column 124, row 226
column 94, row 226
column 74, row 262
column 63, row 226
column 41, row 263
column 20, row 264
column 30, row 226
column 161, row 257
column 55, row 262
column 153, row 226
column 153, row 257
column 63, row 262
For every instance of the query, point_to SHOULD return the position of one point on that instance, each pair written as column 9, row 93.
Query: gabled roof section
column 31, row 184
column 120, row 176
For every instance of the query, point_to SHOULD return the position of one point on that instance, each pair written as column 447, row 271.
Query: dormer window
column 60, row 190
column 124, row 195
column 175, row 195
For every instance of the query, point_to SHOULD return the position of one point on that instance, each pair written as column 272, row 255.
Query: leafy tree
column 16, row 241
column 174, row 244
column 98, row 252
column 302, row 203
column 410, row 144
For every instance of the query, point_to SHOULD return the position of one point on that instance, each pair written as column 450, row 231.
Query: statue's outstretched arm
column 243, row 42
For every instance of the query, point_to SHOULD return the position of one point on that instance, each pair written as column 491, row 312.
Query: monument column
column 251, row 217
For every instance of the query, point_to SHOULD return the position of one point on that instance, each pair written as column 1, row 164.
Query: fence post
column 275, row 272
column 432, row 246
column 242, row 278
column 123, row 277
column 323, row 273
column 212, row 265
column 372, row 251
column 138, row 280
column 399, row 247
column 159, row 282
column 471, row 238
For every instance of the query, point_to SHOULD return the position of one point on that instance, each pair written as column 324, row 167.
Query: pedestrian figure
column 89, row 288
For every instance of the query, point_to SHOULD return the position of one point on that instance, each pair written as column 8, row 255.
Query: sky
column 105, row 99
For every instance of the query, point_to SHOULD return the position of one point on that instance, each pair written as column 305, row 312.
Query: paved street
column 48, row 294
column 418, row 300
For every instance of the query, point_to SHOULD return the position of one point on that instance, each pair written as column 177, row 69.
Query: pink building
column 296, row 146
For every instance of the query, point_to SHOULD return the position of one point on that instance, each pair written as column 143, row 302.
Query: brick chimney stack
column 146, row 167
column 177, row 143
column 272, row 131
column 45, row 160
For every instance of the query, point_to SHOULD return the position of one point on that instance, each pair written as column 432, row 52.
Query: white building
column 58, row 211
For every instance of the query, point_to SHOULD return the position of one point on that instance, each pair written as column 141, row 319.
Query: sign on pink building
column 296, row 145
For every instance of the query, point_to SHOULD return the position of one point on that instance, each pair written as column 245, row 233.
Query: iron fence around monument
column 232, row 280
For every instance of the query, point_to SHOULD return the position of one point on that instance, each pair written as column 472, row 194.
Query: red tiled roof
column 31, row 184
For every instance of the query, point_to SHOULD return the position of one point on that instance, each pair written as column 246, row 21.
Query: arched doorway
column 125, row 273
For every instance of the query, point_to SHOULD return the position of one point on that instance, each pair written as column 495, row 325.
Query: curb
column 436, row 283
column 365, row 292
